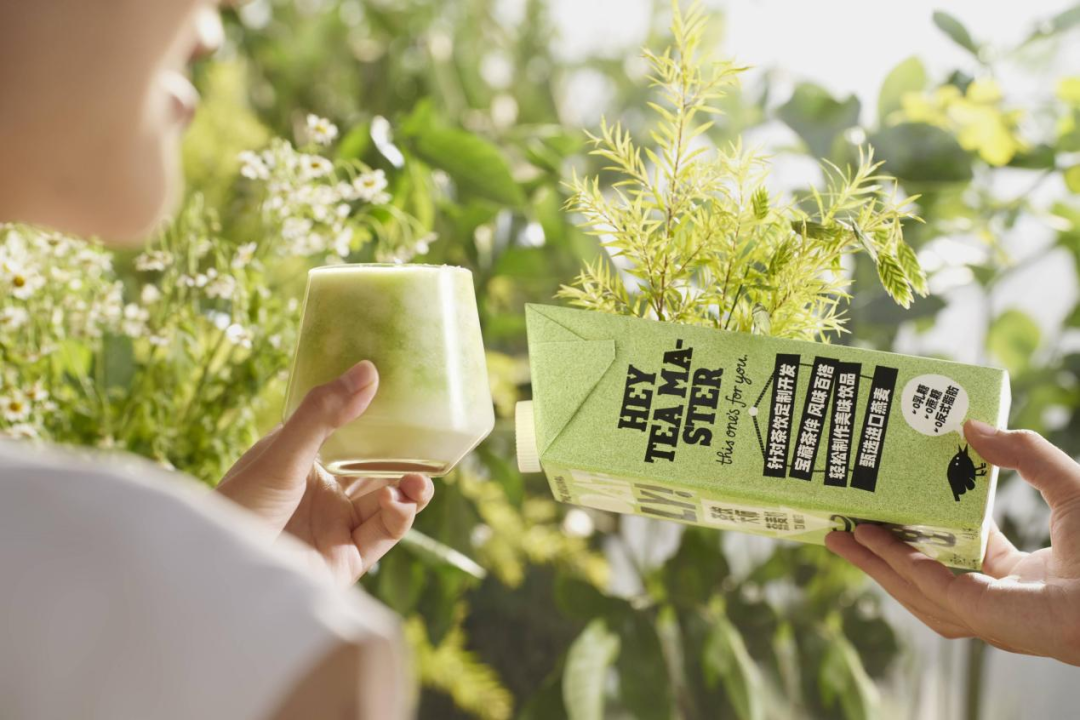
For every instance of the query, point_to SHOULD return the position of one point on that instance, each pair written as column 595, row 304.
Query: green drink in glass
column 419, row 325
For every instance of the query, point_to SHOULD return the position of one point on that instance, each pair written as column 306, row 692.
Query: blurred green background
column 518, row 607
column 580, row 614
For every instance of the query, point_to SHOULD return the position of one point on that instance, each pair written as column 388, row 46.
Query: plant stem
column 975, row 671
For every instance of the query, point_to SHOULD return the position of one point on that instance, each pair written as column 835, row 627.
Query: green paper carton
column 783, row 438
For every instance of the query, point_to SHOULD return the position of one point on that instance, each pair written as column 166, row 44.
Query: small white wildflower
column 275, row 341
column 158, row 340
column 343, row 242
column 346, row 191
column 153, row 261
column 134, row 322
column 369, row 185
column 21, row 431
column 150, row 294
column 292, row 306
column 238, row 335
column 321, row 130
column 381, row 198
column 37, row 393
column 295, row 228
column 315, row 166
column 223, row 287
column 14, row 408
column 342, row 210
column 24, row 282
column 13, row 318
column 220, row 320
column 253, row 167
column 244, row 255
column 203, row 248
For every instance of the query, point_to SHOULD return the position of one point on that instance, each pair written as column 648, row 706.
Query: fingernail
column 360, row 376
column 978, row 427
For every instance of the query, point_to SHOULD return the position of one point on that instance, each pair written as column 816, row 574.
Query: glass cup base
column 386, row 467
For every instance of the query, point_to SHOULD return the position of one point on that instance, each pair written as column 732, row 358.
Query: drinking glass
column 419, row 325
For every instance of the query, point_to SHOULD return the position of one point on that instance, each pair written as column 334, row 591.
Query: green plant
column 700, row 235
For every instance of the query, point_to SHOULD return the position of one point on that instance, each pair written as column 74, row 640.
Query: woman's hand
column 279, row 480
column 1021, row 602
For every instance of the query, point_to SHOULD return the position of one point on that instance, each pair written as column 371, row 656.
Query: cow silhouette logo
column 962, row 472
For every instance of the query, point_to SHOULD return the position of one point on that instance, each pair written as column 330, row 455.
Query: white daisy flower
column 14, row 408
column 370, row 185
column 13, row 318
column 21, row 431
column 134, row 320
column 23, row 281
column 37, row 393
column 238, row 335
column 343, row 242
column 150, row 294
column 315, row 166
column 223, row 287
column 321, row 130
column 244, row 255
column 153, row 261
column 253, row 167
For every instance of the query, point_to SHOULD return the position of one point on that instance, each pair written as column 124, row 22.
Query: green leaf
column 644, row 682
column 1072, row 179
column 1062, row 22
column 922, row 153
column 585, row 674
column 400, row 579
column 1039, row 157
column 894, row 280
column 356, row 143
column 817, row 117
column 761, row 203
column 726, row 659
column 118, row 360
column 475, row 164
column 1013, row 339
column 908, row 76
column 956, row 31
column 912, row 269
column 842, row 676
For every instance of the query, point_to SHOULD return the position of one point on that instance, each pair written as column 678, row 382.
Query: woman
column 125, row 593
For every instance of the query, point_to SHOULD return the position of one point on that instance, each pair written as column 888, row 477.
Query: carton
column 783, row 438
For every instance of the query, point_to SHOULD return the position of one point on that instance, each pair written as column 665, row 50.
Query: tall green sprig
column 694, row 235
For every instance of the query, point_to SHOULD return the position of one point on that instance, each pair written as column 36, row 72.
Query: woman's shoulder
column 188, row 596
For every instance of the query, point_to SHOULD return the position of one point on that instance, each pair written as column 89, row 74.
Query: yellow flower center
column 19, row 281
column 15, row 406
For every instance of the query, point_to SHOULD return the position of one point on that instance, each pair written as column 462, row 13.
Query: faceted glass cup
column 419, row 325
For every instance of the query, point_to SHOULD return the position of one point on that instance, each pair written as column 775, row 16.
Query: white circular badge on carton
column 934, row 405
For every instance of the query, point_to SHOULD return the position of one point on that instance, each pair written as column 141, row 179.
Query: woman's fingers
column 1001, row 555
column 386, row 525
column 930, row 577
column 324, row 409
column 1049, row 469
column 271, row 478
column 933, row 616
column 419, row 489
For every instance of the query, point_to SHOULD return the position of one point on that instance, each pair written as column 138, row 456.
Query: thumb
column 271, row 483
column 324, row 409
column 1044, row 466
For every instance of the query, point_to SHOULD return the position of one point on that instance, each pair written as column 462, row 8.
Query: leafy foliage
column 699, row 234
column 499, row 580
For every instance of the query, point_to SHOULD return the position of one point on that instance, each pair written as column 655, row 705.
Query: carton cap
column 528, row 456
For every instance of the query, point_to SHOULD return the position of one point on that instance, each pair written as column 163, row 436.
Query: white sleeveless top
column 130, row 592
